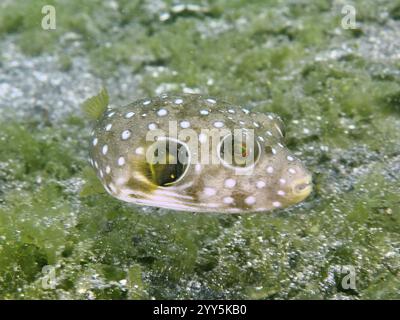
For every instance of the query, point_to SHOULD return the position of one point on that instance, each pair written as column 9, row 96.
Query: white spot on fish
column 129, row 115
column 292, row 171
column 162, row 112
column 260, row 184
column 276, row 204
column 185, row 124
column 121, row 161
column 139, row 150
column 218, row 124
column 152, row 126
column 213, row 101
column 209, row 191
column 126, row 134
column 230, row 183
column 281, row 193
column 105, row 149
column 228, row 200
column 282, row 181
column 270, row 169
column 250, row 200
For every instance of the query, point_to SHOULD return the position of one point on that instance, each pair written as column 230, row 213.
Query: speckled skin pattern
column 118, row 149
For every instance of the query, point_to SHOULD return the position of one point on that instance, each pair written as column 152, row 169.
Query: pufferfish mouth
column 302, row 188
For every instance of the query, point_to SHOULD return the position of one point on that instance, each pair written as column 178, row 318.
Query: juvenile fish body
column 196, row 153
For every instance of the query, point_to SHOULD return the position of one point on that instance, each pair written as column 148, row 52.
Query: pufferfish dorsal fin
column 95, row 106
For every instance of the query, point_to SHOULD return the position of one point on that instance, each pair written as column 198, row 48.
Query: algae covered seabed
column 338, row 91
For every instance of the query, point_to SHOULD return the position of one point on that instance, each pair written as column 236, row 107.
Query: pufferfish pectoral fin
column 92, row 184
column 95, row 106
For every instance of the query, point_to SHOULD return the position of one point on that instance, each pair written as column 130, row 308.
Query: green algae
column 341, row 112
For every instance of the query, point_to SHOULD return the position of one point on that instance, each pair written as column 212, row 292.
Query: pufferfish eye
column 168, row 162
column 239, row 150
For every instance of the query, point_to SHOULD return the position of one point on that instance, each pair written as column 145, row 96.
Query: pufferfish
column 191, row 152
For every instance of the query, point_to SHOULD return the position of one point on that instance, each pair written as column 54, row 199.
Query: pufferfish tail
column 95, row 106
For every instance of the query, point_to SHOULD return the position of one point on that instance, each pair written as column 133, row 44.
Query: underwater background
column 337, row 90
